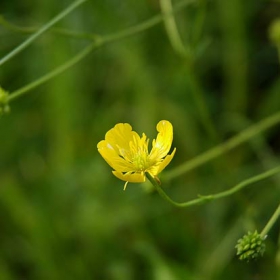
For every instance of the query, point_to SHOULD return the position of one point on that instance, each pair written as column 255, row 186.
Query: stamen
column 125, row 186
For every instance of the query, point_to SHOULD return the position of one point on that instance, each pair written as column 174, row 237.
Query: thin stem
column 184, row 51
column 107, row 38
column 146, row 24
column 43, row 29
column 171, row 28
column 271, row 222
column 100, row 41
column 199, row 22
column 202, row 108
column 211, row 197
column 53, row 73
column 217, row 151
column 247, row 182
column 60, row 31
column 10, row 26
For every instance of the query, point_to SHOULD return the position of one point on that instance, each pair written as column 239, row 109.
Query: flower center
column 139, row 151
column 140, row 161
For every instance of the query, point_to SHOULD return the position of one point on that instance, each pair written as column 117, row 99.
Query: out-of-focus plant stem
column 42, row 30
column 98, row 42
column 235, row 55
column 211, row 197
column 186, row 53
column 53, row 73
column 217, row 151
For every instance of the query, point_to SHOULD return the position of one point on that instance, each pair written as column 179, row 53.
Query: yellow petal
column 115, row 149
column 130, row 177
column 165, row 162
column 112, row 157
column 119, row 137
column 127, row 153
column 162, row 144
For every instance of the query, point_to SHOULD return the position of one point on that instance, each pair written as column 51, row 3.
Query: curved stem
column 53, row 73
column 43, row 29
column 171, row 29
column 146, row 24
column 107, row 38
column 99, row 41
column 185, row 52
column 61, row 31
column 217, row 151
column 12, row 27
column 207, row 198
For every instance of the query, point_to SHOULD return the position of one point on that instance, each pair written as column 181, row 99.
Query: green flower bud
column 251, row 246
column 4, row 106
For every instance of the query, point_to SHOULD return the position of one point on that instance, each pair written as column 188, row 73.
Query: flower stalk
column 271, row 222
column 222, row 148
column 207, row 198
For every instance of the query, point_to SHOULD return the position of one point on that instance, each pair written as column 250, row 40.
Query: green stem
column 107, row 38
column 12, row 27
column 217, row 151
column 171, row 28
column 211, row 197
column 199, row 22
column 100, row 41
column 146, row 24
column 43, row 29
column 271, row 222
column 60, row 31
column 185, row 52
column 53, row 73
column 198, row 96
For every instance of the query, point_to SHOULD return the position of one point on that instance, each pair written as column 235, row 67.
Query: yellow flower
column 128, row 154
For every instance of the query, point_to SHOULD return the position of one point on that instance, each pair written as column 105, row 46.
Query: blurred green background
column 63, row 215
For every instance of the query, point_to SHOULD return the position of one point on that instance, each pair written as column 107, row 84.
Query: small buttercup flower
column 128, row 153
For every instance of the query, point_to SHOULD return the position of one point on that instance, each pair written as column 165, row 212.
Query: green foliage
column 63, row 215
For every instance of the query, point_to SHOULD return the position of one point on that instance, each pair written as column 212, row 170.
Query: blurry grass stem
column 12, row 27
column 98, row 42
column 61, row 31
column 53, row 73
column 211, row 197
column 217, row 151
column 274, row 34
column 171, row 29
column 187, row 54
column 113, row 37
column 235, row 57
column 43, row 29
